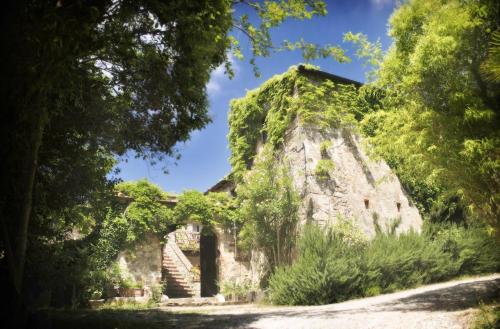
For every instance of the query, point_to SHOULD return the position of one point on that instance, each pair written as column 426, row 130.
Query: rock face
column 143, row 261
column 357, row 189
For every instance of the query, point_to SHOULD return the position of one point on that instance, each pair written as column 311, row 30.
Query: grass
column 127, row 305
column 488, row 316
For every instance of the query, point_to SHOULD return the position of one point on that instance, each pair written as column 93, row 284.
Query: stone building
column 359, row 189
column 356, row 188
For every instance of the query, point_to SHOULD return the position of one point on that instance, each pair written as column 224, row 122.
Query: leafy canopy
column 440, row 118
column 210, row 210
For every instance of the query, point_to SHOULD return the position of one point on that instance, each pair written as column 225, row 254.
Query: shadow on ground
column 455, row 298
column 459, row 297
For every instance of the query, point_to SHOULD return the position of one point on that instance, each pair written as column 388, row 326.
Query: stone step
column 178, row 284
column 170, row 265
column 170, row 292
column 175, row 278
column 179, row 289
column 175, row 274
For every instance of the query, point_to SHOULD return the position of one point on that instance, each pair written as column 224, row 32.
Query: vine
column 265, row 113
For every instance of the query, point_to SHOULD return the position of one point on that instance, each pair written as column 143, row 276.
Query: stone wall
column 358, row 189
column 143, row 261
column 232, row 267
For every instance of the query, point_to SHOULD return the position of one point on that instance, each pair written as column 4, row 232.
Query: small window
column 367, row 203
column 398, row 205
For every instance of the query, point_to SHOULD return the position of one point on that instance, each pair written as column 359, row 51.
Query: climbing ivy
column 266, row 113
column 323, row 169
column 208, row 209
column 144, row 213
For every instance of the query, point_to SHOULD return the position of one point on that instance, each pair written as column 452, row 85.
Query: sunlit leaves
column 270, row 14
column 491, row 67
column 440, row 123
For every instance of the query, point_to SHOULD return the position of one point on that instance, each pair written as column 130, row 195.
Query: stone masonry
column 359, row 189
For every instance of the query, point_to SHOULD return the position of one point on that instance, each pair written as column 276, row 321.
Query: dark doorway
column 208, row 264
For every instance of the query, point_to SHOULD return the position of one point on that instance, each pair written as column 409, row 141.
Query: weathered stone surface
column 143, row 261
column 230, row 268
column 358, row 189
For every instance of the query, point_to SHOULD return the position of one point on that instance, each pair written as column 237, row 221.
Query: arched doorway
column 208, row 264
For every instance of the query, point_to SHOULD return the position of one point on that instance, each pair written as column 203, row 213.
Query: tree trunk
column 18, row 181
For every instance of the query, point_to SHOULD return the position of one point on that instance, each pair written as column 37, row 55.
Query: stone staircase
column 176, row 272
column 177, row 283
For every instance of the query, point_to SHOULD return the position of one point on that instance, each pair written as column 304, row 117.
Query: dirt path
column 443, row 305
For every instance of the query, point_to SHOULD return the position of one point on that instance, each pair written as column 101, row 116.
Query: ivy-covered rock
column 266, row 113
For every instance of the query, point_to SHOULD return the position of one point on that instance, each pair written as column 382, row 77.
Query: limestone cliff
column 357, row 188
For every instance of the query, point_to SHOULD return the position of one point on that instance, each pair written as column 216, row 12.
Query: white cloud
column 218, row 77
column 379, row 4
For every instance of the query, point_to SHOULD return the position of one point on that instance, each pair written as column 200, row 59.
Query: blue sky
column 204, row 158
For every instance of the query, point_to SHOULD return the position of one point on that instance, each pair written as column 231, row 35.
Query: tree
column 440, row 118
column 269, row 208
column 85, row 81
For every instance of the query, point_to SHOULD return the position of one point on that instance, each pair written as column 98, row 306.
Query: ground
column 443, row 305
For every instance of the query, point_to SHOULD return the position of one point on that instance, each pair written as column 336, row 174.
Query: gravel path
column 443, row 305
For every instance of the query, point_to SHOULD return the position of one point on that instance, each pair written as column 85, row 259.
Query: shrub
column 327, row 270
column 488, row 317
column 269, row 209
column 236, row 288
column 332, row 266
column 157, row 291
column 323, row 169
column 395, row 262
column 324, row 147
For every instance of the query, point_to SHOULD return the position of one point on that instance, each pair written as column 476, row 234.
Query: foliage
column 438, row 120
column 488, row 317
column 449, row 210
column 271, row 14
column 265, row 113
column 126, row 305
column 144, row 213
column 157, row 292
column 86, row 81
column 491, row 67
column 323, row 169
column 120, row 277
column 347, row 231
column 210, row 209
column 269, row 206
column 236, row 288
column 372, row 52
column 327, row 270
column 324, row 147
column 331, row 267
column 266, row 106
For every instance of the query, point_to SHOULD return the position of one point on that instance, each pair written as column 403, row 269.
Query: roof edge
column 304, row 70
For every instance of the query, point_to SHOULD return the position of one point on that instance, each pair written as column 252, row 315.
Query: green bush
column 157, row 291
column 395, row 262
column 327, row 270
column 332, row 267
column 323, row 169
column 488, row 317
column 324, row 147
column 238, row 289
